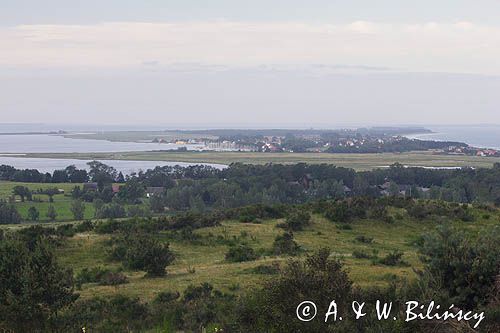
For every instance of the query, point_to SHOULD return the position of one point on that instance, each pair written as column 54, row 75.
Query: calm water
column 126, row 167
column 485, row 136
column 19, row 144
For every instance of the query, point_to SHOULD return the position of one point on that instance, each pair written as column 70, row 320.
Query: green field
column 62, row 202
column 355, row 161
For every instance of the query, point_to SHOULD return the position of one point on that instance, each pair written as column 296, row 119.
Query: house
column 150, row 191
column 90, row 186
column 115, row 188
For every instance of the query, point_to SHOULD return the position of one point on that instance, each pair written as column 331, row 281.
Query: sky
column 229, row 62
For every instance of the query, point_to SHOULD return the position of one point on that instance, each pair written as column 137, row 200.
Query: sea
column 482, row 136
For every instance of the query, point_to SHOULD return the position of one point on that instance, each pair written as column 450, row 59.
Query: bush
column 84, row 226
column 111, row 211
column 142, row 252
column 364, row 239
column 297, row 220
column 364, row 255
column 239, row 253
column 461, row 269
column 392, row 259
column 284, row 244
column 102, row 276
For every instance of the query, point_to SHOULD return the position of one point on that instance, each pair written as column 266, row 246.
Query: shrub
column 392, row 259
column 462, row 269
column 364, row 239
column 239, row 253
column 364, row 255
column 297, row 220
column 285, row 244
column 111, row 211
column 142, row 252
column 265, row 269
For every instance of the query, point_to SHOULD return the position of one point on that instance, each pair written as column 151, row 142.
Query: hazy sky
column 225, row 62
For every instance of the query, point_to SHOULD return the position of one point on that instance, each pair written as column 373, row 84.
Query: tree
column 101, row 173
column 78, row 209
column 9, row 214
column 157, row 203
column 50, row 192
column 33, row 288
column 51, row 213
column 33, row 213
column 132, row 191
column 22, row 191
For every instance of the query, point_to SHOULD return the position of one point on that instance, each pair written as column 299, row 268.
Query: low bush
column 240, row 253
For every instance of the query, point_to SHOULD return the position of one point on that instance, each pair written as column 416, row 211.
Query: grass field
column 355, row 161
column 198, row 263
column 62, row 202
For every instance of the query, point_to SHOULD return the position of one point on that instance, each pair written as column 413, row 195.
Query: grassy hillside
column 204, row 260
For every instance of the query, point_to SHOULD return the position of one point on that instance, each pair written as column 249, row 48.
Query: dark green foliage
column 239, row 253
column 132, row 191
column 77, row 209
column 33, row 214
column 51, row 213
column 297, row 220
column 84, row 226
column 393, row 258
column 318, row 279
column 142, row 252
column 364, row 239
column 111, row 211
column 111, row 314
column 100, row 275
column 138, row 211
column 359, row 254
column 463, row 269
column 285, row 244
column 33, row 286
column 23, row 192
column 9, row 214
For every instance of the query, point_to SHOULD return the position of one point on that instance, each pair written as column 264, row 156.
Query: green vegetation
column 201, row 256
column 249, row 238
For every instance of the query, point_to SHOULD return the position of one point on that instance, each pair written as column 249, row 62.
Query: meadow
column 62, row 202
column 201, row 260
